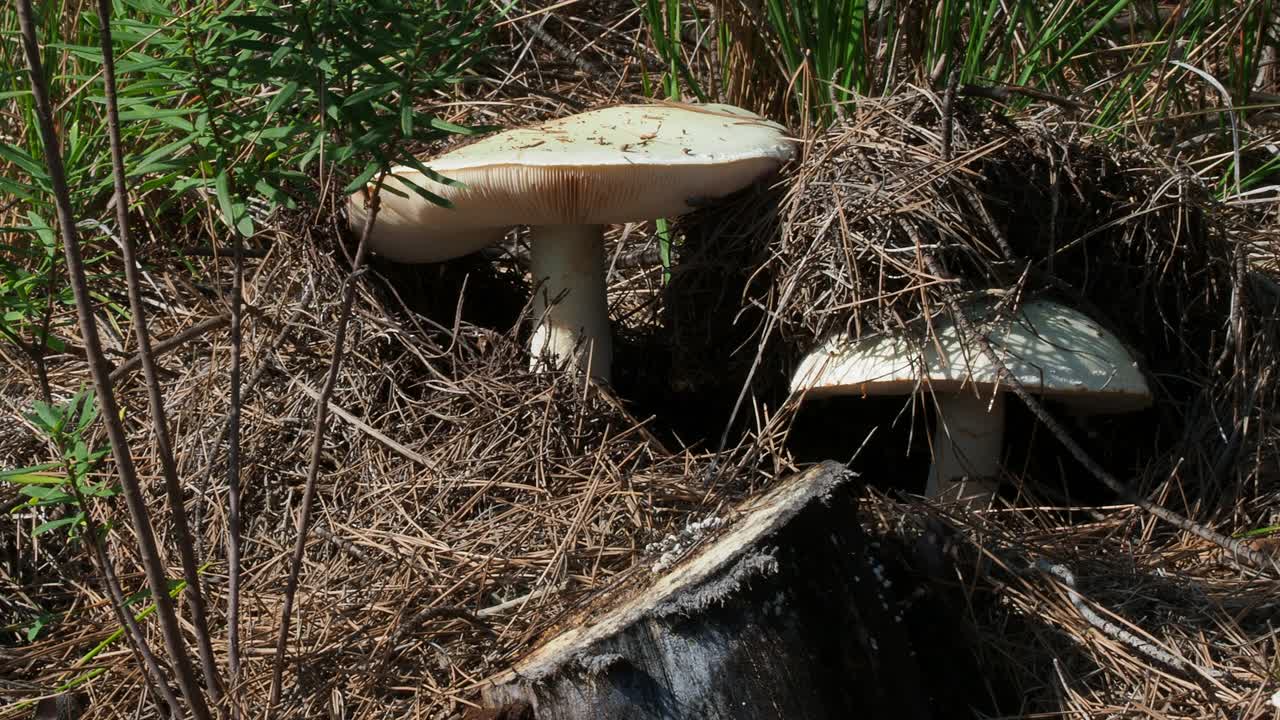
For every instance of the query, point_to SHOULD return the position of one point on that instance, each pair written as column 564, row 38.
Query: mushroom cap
column 1051, row 349
column 618, row 164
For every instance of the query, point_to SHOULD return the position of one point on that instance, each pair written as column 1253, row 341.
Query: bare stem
column 38, row 347
column 233, row 466
column 156, row 681
column 317, row 443
column 100, row 371
column 164, row 448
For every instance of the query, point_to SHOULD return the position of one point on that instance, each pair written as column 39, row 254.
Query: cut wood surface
column 784, row 614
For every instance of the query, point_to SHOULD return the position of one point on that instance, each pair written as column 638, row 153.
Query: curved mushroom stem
column 570, row 305
column 967, row 448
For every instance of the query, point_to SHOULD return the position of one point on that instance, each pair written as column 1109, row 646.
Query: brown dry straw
column 462, row 505
column 1027, row 207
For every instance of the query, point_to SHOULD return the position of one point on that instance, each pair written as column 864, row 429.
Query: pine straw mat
column 465, row 504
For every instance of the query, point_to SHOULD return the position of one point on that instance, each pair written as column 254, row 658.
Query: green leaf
column 49, row 419
column 45, row 527
column 364, row 177
column 370, row 93
column 89, row 412
column 256, row 22
column 33, row 630
column 406, row 117
column 418, row 165
column 284, row 96
column 43, row 231
column 20, row 158
column 425, row 193
column 33, row 475
column 48, row 494
column 234, row 213
column 447, row 126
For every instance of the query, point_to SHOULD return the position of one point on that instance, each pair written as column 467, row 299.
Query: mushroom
column 1053, row 350
column 568, row 178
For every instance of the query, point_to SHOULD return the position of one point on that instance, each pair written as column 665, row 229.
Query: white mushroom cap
column 618, row 164
column 1051, row 349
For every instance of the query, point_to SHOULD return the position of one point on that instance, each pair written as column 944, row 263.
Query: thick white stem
column 967, row 448
column 570, row 307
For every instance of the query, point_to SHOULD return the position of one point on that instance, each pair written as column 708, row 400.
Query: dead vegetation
column 465, row 504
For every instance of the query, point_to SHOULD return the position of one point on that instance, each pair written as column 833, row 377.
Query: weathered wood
column 784, row 614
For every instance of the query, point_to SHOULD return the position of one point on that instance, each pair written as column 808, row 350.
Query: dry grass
column 1200, row 634
column 465, row 504
column 1021, row 208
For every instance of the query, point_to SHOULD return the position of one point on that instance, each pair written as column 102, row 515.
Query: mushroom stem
column 967, row 448
column 570, row 305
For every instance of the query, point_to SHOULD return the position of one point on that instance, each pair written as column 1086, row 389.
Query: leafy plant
column 249, row 105
column 244, row 101
column 49, row 484
column 26, row 273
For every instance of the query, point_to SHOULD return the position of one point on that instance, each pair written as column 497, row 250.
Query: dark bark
column 155, row 399
column 786, row 614
column 148, row 550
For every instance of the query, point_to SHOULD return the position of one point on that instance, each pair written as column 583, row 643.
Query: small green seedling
column 50, row 484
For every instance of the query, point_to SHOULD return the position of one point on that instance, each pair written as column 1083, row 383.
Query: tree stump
column 784, row 613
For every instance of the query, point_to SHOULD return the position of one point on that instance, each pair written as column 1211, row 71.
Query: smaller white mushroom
column 1052, row 350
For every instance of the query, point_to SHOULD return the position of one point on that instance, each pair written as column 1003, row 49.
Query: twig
column 177, row 506
column 233, row 463
column 948, row 114
column 514, row 602
column 1151, row 650
column 171, row 343
column 317, row 444
column 587, row 67
column 42, row 372
column 344, row 545
column 1003, row 93
column 965, row 189
column 369, row 430
column 100, row 371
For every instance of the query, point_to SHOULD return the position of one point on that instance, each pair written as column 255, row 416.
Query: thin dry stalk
column 101, row 373
column 233, row 463
column 173, row 489
column 318, row 433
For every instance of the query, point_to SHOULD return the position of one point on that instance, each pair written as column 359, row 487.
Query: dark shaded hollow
column 491, row 293
column 891, row 440
column 789, row 612
column 689, row 368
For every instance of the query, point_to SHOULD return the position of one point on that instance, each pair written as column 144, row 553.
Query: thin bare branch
column 233, row 464
column 100, row 370
column 317, row 443
column 164, row 447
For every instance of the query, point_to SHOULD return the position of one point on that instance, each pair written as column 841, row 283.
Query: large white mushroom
column 1053, row 350
column 568, row 178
